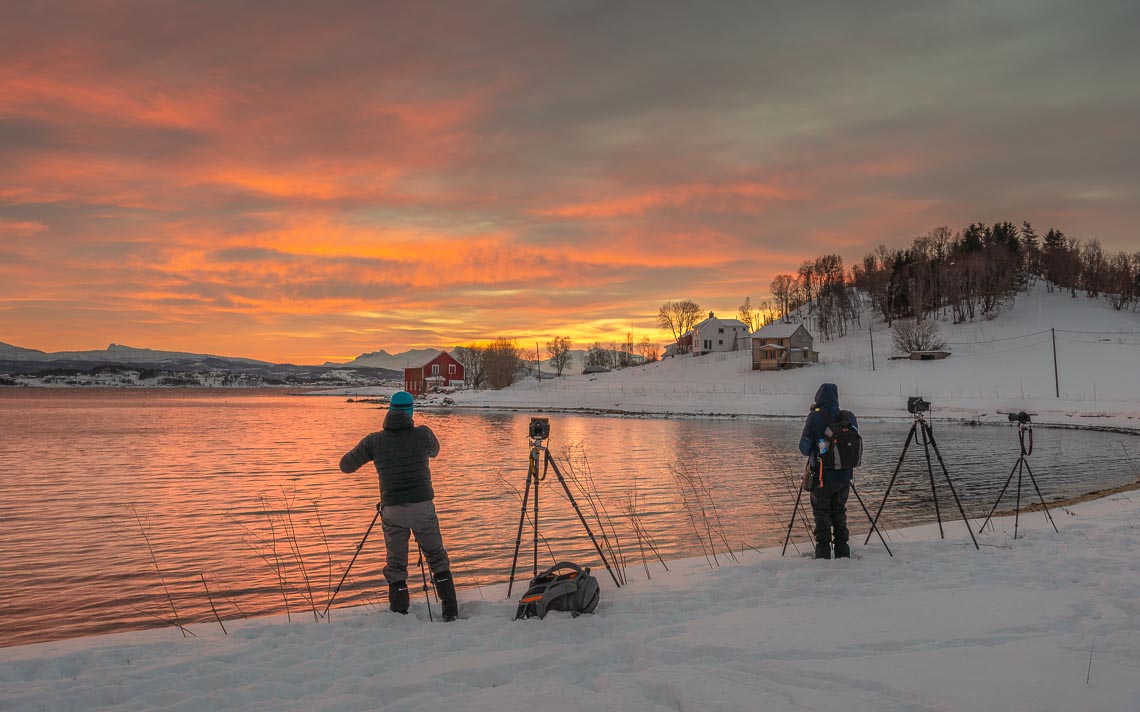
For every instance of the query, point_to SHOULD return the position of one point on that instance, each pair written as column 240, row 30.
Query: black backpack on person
column 844, row 444
column 575, row 591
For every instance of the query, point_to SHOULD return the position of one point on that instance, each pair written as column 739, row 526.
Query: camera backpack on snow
column 574, row 590
column 844, row 444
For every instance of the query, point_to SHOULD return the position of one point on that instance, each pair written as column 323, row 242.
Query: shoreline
column 674, row 414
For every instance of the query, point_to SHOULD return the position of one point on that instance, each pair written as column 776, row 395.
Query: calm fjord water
column 221, row 482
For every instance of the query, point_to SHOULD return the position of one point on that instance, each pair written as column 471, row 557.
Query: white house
column 715, row 334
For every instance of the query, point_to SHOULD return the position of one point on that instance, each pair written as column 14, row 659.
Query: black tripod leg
column 950, row 483
column 891, row 484
column 930, row 471
column 534, row 464
column 1048, row 514
column 518, row 536
column 1000, row 495
column 350, row 563
column 873, row 527
column 581, row 517
column 1017, row 507
column 792, row 521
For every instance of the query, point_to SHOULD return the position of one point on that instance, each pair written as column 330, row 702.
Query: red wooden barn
column 437, row 372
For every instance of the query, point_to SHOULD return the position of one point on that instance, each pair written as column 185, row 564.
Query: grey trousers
column 400, row 520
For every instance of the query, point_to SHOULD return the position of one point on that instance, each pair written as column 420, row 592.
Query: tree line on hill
column 958, row 276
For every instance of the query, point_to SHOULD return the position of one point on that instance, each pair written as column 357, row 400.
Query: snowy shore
column 1045, row 622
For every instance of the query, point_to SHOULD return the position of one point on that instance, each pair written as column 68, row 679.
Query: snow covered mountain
column 383, row 359
column 115, row 353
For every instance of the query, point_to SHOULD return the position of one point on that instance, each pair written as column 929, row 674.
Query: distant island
column 128, row 367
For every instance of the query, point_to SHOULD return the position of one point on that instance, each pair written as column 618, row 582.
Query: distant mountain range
column 118, row 366
column 115, row 354
column 383, row 359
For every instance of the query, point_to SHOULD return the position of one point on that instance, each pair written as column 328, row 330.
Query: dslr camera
column 916, row 405
column 539, row 428
column 1021, row 417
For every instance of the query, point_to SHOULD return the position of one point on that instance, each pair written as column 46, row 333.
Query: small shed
column 441, row 370
column 779, row 345
column 928, row 355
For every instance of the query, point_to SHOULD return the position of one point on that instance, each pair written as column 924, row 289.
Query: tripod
column 796, row 509
column 1023, row 427
column 539, row 452
column 928, row 442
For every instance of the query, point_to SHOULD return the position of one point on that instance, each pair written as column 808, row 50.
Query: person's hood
column 398, row 420
column 827, row 397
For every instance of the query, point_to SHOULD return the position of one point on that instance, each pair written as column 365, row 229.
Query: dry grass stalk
column 154, row 560
column 579, row 473
column 212, row 608
column 697, row 499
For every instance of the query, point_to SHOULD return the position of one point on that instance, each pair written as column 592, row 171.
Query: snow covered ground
column 1045, row 622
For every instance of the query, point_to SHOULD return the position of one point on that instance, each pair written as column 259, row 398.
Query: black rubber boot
column 398, row 597
column 445, row 589
column 842, row 548
column 822, row 542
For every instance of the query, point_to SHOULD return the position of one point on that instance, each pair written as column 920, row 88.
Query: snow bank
column 1047, row 622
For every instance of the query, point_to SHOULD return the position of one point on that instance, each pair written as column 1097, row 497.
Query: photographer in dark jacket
column 829, row 498
column 401, row 452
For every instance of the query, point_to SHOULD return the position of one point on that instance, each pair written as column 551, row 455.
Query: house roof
column 427, row 360
column 776, row 330
column 771, row 346
column 722, row 322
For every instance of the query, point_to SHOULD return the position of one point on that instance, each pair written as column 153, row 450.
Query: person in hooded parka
column 402, row 451
column 829, row 498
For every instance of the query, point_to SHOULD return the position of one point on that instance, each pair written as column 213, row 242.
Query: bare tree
column 648, row 350
column 678, row 318
column 501, row 360
column 598, row 356
column 471, row 357
column 748, row 315
column 559, row 352
column 783, row 288
column 911, row 335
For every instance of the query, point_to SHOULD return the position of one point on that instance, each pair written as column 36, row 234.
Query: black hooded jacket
column 826, row 401
column 401, row 452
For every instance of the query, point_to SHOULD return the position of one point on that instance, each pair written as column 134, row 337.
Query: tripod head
column 538, row 431
column 918, row 407
column 1024, row 425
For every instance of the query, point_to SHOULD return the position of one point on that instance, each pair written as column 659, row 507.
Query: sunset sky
column 306, row 182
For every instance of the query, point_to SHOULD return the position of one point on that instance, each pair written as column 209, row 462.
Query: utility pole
column 872, row 333
column 1056, row 376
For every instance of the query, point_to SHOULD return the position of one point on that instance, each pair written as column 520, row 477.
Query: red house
column 437, row 372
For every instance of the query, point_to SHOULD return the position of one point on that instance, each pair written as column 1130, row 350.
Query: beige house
column 781, row 345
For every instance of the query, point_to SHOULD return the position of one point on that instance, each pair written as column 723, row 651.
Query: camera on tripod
column 1021, row 417
column 539, row 428
column 916, row 405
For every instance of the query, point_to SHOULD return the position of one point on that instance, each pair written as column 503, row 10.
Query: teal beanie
column 401, row 400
